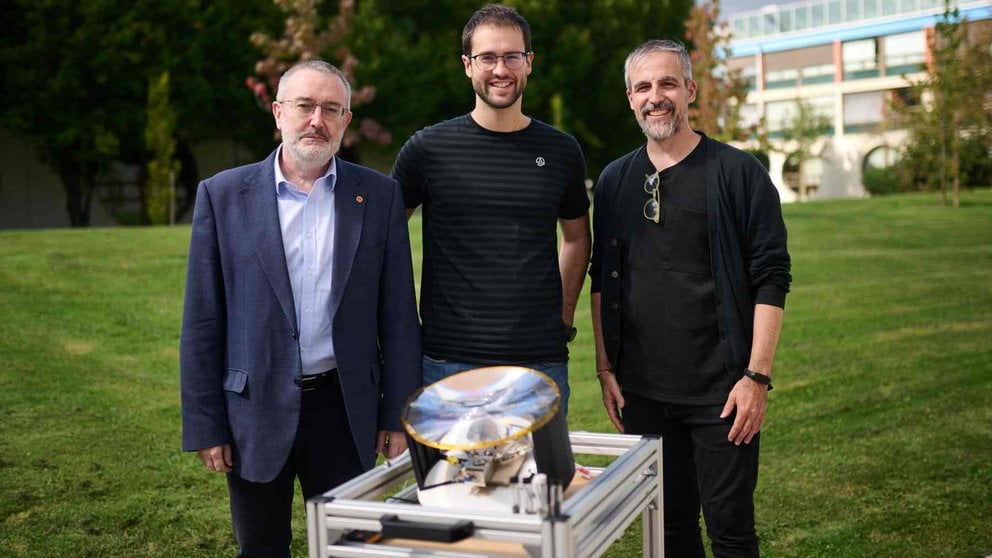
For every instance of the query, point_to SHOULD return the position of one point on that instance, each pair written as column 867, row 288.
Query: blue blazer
column 239, row 355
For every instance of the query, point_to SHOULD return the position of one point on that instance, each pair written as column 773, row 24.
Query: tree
column 720, row 91
column 949, row 113
column 304, row 39
column 413, row 50
column 802, row 141
column 578, row 77
column 159, row 188
column 77, row 73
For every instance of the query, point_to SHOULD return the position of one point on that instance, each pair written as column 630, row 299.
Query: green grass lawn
column 878, row 441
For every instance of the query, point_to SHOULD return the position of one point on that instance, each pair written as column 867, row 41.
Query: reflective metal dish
column 481, row 408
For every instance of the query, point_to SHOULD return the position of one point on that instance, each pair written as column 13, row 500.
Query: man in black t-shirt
column 494, row 185
column 689, row 276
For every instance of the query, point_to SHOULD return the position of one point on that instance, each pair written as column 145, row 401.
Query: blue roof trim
column 850, row 32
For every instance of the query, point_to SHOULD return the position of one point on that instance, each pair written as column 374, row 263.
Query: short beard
column 660, row 131
column 312, row 156
column 480, row 90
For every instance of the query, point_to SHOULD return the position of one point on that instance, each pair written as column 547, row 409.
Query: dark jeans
column 701, row 468
column 323, row 456
column 435, row 369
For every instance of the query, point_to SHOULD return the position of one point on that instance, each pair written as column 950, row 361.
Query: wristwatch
column 759, row 377
column 570, row 332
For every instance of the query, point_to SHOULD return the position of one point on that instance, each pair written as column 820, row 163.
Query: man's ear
column 277, row 113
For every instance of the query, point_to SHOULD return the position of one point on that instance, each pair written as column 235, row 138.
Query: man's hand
column 217, row 458
column 612, row 398
column 751, row 400
column 390, row 443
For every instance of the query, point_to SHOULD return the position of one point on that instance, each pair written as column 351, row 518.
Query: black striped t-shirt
column 490, row 287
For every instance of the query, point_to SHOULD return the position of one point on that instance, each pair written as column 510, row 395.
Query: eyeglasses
column 652, row 207
column 303, row 108
column 512, row 60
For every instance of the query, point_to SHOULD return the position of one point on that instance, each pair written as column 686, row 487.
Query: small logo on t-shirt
column 539, row 161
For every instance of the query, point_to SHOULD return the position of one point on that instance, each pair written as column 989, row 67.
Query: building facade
column 845, row 60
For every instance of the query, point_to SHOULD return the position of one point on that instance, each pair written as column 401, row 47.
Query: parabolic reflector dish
column 481, row 408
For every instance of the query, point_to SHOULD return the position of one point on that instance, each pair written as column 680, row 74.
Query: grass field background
column 878, row 441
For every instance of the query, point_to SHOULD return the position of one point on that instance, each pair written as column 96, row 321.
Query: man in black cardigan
column 689, row 275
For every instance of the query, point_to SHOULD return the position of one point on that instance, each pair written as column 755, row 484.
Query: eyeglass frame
column 524, row 54
column 653, row 180
column 327, row 110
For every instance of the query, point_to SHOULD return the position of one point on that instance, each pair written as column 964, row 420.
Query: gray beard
column 660, row 131
column 313, row 157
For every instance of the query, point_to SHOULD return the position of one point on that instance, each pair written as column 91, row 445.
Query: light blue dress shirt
column 307, row 223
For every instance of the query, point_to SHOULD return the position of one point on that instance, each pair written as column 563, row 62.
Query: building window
column 779, row 116
column 740, row 28
column 863, row 111
column 853, row 10
column 823, row 73
column 750, row 116
column 860, row 59
column 835, row 12
column 786, row 77
column 824, row 108
column 750, row 76
column 801, row 19
column 904, row 53
column 818, row 17
column 785, row 21
column 871, row 9
column 771, row 23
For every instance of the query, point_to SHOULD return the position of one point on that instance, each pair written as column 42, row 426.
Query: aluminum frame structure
column 589, row 520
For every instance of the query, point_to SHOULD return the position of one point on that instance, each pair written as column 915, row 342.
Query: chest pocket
column 690, row 246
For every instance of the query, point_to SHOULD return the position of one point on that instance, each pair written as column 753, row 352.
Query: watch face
column 571, row 333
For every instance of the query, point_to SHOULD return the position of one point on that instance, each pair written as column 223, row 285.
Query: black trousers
column 700, row 469
column 323, row 456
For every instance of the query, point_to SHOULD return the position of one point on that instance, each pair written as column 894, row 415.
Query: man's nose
column 655, row 95
column 501, row 66
column 317, row 117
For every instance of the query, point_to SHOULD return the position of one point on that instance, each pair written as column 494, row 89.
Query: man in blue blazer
column 300, row 338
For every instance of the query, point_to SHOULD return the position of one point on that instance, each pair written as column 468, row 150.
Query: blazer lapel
column 261, row 219
column 349, row 214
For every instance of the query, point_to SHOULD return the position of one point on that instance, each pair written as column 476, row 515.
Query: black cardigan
column 749, row 258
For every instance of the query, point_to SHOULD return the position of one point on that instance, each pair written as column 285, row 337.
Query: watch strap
column 759, row 377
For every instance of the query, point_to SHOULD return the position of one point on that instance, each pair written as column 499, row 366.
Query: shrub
column 881, row 181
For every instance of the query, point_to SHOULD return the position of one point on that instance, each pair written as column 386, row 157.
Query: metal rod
column 635, row 461
column 375, row 510
column 375, row 481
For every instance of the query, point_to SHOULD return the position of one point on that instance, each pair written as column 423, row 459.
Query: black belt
column 314, row 381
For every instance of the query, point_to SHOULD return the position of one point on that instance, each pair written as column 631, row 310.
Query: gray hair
column 317, row 66
column 655, row 46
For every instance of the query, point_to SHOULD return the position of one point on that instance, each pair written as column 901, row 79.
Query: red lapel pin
column 359, row 199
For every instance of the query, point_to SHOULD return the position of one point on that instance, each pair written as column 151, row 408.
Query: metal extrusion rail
column 590, row 520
